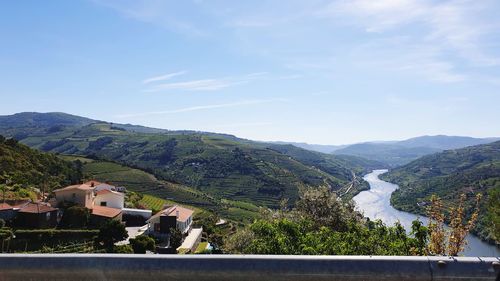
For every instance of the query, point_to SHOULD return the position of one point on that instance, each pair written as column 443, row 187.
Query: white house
column 175, row 216
column 110, row 199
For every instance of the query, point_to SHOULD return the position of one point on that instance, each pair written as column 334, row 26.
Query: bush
column 123, row 249
column 35, row 239
column 111, row 232
column 2, row 223
column 142, row 243
column 75, row 217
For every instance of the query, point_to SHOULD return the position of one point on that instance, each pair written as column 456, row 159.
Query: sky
column 325, row 72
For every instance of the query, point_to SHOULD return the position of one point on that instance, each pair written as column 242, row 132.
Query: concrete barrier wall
column 243, row 267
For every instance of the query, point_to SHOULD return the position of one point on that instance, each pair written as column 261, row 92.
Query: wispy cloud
column 211, row 84
column 201, row 107
column 163, row 77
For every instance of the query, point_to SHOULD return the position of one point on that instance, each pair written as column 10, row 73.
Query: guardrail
column 243, row 267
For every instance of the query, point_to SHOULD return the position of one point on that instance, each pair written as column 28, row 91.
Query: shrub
column 142, row 243
column 111, row 232
column 75, row 217
column 123, row 249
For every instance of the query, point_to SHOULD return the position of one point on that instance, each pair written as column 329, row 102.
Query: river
column 375, row 204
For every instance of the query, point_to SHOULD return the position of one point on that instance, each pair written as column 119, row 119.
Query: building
column 79, row 194
column 101, row 214
column 173, row 217
column 6, row 212
column 36, row 215
column 109, row 198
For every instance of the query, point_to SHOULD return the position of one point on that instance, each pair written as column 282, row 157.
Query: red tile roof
column 104, row 191
column 5, row 206
column 105, row 211
column 84, row 186
column 184, row 213
column 37, row 208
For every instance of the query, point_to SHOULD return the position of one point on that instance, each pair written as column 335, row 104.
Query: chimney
column 177, row 213
column 92, row 184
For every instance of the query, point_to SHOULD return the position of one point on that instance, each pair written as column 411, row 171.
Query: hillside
column 448, row 174
column 402, row 152
column 222, row 166
column 155, row 192
column 27, row 168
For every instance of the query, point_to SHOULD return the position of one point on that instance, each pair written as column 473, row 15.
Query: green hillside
column 221, row 166
column 27, row 168
column 470, row 170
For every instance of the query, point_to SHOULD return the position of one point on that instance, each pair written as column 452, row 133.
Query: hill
column 27, row 168
column 470, row 170
column 402, row 152
column 221, row 166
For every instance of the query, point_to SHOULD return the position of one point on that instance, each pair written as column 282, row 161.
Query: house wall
column 112, row 200
column 7, row 215
column 80, row 197
column 185, row 226
column 35, row 220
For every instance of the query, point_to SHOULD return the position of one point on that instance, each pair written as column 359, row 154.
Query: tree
column 175, row 238
column 111, row 232
column 142, row 243
column 449, row 242
column 75, row 217
column 494, row 211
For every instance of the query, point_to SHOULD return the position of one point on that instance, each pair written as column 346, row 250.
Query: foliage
column 24, row 168
column 142, row 243
column 494, row 211
column 2, row 223
column 449, row 242
column 111, row 232
column 36, row 239
column 75, row 217
column 321, row 224
column 123, row 249
column 175, row 238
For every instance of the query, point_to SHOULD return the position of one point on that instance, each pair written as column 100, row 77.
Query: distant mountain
column 402, row 152
column 470, row 170
column 314, row 147
column 35, row 119
column 220, row 165
column 443, row 142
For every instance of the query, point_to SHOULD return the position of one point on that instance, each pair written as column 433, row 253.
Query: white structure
column 175, row 216
column 192, row 240
column 110, row 199
column 137, row 212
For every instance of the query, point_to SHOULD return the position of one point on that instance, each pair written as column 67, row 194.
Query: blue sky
column 327, row 72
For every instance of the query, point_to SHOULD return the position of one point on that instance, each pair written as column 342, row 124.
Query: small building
column 101, row 214
column 109, row 198
column 6, row 212
column 79, row 194
column 173, row 217
column 36, row 215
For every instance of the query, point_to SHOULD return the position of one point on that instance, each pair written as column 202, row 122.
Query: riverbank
column 375, row 204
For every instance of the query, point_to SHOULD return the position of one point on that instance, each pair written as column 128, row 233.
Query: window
column 104, row 203
column 47, row 216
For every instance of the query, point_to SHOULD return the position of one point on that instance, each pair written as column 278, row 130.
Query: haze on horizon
column 324, row 72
